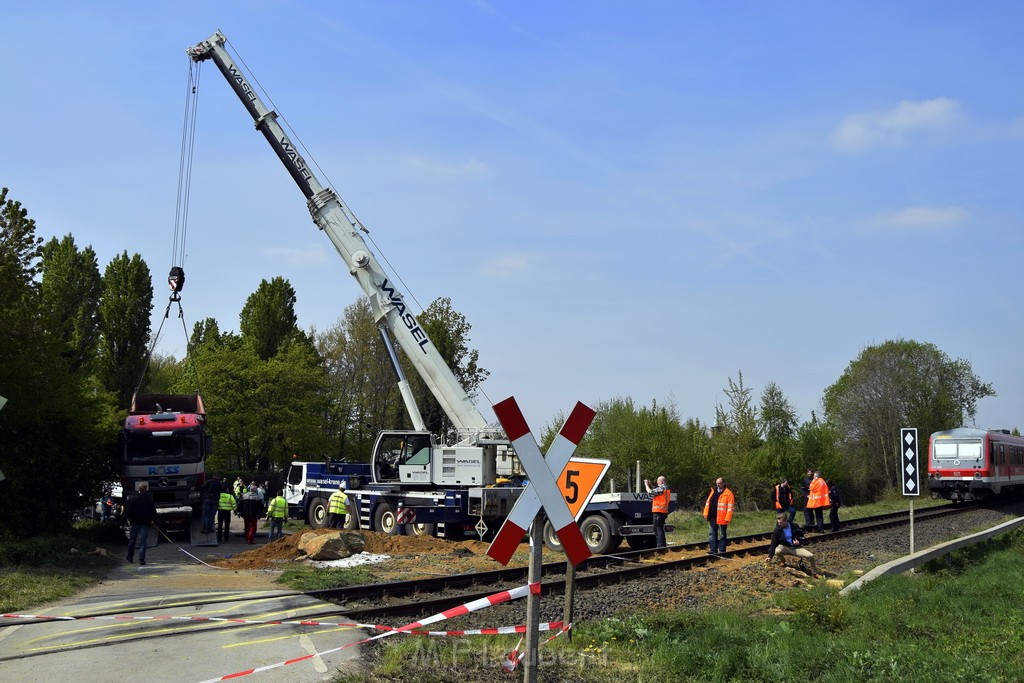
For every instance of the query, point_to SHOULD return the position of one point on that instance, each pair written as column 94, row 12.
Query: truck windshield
column 957, row 450
column 162, row 449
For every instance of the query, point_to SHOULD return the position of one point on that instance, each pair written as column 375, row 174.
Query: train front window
column 957, row 450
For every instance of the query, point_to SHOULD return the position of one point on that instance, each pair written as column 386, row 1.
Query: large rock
column 332, row 546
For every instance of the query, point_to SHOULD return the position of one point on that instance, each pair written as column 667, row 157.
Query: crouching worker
column 786, row 542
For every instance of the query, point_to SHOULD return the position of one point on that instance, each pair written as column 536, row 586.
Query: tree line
column 77, row 344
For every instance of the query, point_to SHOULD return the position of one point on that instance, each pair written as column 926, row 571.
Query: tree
column 260, row 412
column 652, row 435
column 268, row 318
column 448, row 331
column 57, row 429
column 125, row 310
column 777, row 417
column 361, row 396
column 896, row 384
column 737, row 437
column 71, row 289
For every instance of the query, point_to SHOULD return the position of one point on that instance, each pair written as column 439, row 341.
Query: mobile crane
column 442, row 489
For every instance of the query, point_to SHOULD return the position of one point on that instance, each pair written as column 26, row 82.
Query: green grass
column 960, row 619
column 312, row 579
column 42, row 569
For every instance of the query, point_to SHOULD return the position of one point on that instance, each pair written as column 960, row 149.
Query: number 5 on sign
column 578, row 482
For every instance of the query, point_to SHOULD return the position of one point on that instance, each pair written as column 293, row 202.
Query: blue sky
column 635, row 199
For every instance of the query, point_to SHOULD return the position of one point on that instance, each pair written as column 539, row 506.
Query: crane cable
column 176, row 276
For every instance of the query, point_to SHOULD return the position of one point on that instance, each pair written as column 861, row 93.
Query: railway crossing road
column 111, row 648
column 157, row 650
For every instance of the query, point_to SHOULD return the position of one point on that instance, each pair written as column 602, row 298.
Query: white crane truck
column 443, row 489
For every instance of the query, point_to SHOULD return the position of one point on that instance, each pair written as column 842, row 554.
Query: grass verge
column 42, row 569
column 313, row 579
column 960, row 619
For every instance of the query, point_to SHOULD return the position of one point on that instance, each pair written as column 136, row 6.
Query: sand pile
column 286, row 549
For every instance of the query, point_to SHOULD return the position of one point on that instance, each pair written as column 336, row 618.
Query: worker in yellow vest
column 277, row 512
column 337, row 508
column 225, row 506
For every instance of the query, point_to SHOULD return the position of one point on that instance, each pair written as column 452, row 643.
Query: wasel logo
column 410, row 321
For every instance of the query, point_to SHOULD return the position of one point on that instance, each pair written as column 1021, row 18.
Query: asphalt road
column 115, row 648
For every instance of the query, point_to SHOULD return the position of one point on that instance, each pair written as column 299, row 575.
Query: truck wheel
column 317, row 515
column 597, row 532
column 551, row 538
column 351, row 522
column 384, row 520
column 420, row 529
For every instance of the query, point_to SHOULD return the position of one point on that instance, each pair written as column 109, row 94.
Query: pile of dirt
column 286, row 549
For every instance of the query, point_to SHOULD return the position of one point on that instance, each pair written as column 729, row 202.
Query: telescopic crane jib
column 387, row 303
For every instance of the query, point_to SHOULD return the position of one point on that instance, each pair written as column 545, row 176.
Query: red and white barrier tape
column 496, row 599
column 512, row 660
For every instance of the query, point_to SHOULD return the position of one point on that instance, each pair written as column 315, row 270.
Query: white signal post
column 911, row 476
column 541, row 492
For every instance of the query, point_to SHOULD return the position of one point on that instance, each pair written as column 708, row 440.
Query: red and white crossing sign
column 542, row 490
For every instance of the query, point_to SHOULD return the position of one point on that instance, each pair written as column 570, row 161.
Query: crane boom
column 334, row 217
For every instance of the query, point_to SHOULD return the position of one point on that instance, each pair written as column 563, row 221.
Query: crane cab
column 407, row 457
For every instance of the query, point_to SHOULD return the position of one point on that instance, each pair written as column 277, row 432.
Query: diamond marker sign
column 578, row 482
column 542, row 490
column 908, row 462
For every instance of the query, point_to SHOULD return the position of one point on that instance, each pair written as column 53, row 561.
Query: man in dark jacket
column 835, row 502
column 211, row 501
column 140, row 513
column 786, row 541
column 806, row 489
column 250, row 508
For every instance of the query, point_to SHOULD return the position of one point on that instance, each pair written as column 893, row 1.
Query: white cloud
column 858, row 132
column 509, row 266
column 310, row 255
column 922, row 218
column 436, row 168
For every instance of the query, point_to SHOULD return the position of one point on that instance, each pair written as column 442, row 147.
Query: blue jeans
column 139, row 532
column 718, row 537
column 276, row 527
column 209, row 513
column 659, row 529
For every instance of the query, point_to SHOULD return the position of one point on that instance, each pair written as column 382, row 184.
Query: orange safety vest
column 659, row 503
column 726, row 503
column 778, row 498
column 818, row 497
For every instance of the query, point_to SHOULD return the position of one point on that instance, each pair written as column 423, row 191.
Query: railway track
column 385, row 601
column 399, row 599
column 614, row 581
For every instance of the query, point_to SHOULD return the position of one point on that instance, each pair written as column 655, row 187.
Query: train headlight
column 977, row 475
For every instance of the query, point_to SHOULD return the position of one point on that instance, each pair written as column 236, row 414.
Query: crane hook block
column 176, row 279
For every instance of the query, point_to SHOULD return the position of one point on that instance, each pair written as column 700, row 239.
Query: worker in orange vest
column 817, row 500
column 783, row 497
column 660, row 497
column 718, row 511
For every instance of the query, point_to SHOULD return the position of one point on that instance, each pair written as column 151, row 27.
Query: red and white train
column 972, row 464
